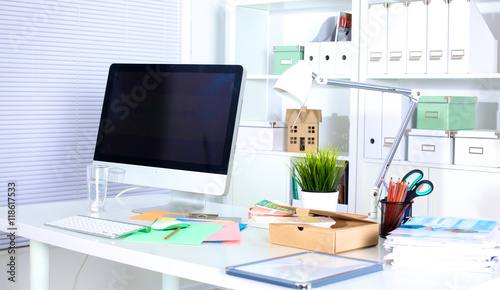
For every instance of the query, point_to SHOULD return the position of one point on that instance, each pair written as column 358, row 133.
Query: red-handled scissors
column 418, row 187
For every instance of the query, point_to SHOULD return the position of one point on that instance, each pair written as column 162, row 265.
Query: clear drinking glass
column 97, row 181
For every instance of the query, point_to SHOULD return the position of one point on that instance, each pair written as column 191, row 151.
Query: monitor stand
column 179, row 202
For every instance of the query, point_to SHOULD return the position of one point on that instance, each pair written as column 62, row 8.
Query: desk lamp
column 295, row 84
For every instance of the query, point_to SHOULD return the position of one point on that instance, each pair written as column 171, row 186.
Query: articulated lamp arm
column 295, row 84
column 413, row 95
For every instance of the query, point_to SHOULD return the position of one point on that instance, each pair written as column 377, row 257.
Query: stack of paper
column 267, row 212
column 268, row 208
column 437, row 243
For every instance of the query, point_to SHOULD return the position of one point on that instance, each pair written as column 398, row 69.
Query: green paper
column 195, row 234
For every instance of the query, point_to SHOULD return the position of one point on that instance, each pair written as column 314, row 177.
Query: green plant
column 318, row 171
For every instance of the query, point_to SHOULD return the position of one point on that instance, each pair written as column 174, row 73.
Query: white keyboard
column 95, row 226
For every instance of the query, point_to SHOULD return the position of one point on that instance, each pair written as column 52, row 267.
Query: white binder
column 472, row 47
column 343, row 58
column 334, row 58
column 373, row 125
column 377, row 39
column 311, row 55
column 394, row 109
column 327, row 58
column 416, row 56
column 437, row 37
column 396, row 38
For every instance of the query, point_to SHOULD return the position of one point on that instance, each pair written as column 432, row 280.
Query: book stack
column 437, row 243
column 266, row 212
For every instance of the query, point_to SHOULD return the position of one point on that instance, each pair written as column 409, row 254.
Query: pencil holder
column 392, row 215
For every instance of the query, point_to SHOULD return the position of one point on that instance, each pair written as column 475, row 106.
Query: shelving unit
column 467, row 191
column 254, row 27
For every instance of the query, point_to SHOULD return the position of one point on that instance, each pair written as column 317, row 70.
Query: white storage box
column 268, row 136
column 477, row 148
column 430, row 146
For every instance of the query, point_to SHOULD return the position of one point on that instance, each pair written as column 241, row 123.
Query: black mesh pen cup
column 392, row 215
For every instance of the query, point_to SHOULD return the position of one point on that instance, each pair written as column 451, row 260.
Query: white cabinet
column 465, row 193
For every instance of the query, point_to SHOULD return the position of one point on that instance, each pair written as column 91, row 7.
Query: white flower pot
column 320, row 200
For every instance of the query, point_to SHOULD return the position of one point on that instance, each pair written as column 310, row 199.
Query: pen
column 172, row 233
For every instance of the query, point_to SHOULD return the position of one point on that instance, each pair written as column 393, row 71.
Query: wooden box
column 351, row 231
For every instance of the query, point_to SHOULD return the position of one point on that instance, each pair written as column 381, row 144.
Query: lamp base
column 373, row 214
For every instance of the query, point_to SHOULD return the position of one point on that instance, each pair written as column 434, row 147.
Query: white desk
column 205, row 263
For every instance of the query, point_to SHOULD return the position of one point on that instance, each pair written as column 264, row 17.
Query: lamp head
column 295, row 83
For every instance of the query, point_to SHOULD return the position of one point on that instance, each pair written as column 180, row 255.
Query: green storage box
column 446, row 113
column 286, row 56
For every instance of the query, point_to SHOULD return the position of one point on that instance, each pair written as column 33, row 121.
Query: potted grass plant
column 318, row 173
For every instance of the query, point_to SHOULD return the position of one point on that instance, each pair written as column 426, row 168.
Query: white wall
column 207, row 46
column 207, row 31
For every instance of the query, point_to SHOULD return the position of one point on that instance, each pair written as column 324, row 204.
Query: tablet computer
column 305, row 270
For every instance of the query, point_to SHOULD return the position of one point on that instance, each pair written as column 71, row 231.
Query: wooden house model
column 304, row 134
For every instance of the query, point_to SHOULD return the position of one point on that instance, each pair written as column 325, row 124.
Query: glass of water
column 97, row 181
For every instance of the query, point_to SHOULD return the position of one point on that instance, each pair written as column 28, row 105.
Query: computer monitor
column 171, row 126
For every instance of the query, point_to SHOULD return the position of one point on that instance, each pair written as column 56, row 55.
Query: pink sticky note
column 230, row 232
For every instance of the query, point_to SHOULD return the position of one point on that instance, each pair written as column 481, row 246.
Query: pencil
column 392, row 188
column 173, row 233
column 406, row 192
column 401, row 191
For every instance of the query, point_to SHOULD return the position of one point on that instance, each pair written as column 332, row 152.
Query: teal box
column 446, row 113
column 286, row 56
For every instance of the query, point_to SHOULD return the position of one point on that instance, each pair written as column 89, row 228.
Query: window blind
column 54, row 59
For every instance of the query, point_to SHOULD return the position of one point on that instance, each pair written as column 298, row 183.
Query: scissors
column 418, row 187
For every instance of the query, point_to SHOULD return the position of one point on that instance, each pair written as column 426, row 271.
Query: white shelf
column 275, row 77
column 436, row 165
column 253, row 28
column 268, row 152
column 343, row 155
column 281, row 5
column 437, row 76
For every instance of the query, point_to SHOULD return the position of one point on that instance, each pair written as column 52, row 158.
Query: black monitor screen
column 170, row 116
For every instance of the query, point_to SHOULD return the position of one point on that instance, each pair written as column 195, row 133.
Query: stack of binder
column 330, row 51
column 454, row 39
column 451, row 244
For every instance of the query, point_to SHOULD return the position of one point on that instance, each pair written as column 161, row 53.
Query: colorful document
column 195, row 234
column 229, row 232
